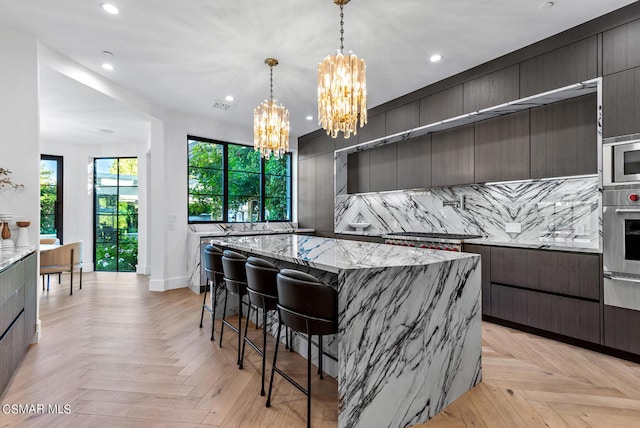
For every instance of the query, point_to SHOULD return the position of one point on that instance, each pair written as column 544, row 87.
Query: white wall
column 19, row 127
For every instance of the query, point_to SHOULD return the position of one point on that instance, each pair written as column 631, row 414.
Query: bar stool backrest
column 235, row 274
column 213, row 262
column 306, row 304
column 262, row 283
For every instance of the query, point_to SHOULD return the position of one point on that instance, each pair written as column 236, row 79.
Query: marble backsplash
column 548, row 210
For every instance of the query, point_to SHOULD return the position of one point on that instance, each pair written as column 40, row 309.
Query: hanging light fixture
column 271, row 123
column 342, row 89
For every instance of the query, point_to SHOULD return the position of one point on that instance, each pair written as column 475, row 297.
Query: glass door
column 116, row 214
column 51, row 207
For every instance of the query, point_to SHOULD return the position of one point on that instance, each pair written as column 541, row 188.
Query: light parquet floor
column 121, row 356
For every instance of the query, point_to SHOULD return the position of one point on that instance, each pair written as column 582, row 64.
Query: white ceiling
column 185, row 55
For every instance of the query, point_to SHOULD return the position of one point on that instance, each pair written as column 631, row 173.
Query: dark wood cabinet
column 621, row 48
column 414, row 163
column 492, row 89
column 325, row 195
column 315, row 144
column 564, row 138
column 621, row 329
column 402, row 118
column 485, row 265
column 441, row 105
column 307, row 201
column 358, row 172
column 621, row 103
column 375, row 128
column 574, row 318
column 502, row 148
column 30, row 297
column 570, row 64
column 571, row 274
column 452, row 156
column 383, row 168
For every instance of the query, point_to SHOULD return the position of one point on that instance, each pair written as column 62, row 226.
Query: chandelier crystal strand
column 271, row 123
column 342, row 89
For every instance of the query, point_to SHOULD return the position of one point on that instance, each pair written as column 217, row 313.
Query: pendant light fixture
column 342, row 89
column 271, row 123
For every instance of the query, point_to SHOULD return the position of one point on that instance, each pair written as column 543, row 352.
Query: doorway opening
column 115, row 214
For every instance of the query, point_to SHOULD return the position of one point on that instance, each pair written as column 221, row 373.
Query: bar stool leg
column 320, row 357
column 204, row 302
column 240, row 326
column 273, row 367
column 264, row 347
column 244, row 342
column 224, row 311
column 309, row 382
column 214, row 300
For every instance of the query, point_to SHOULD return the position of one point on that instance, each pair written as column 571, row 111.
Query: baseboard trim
column 168, row 284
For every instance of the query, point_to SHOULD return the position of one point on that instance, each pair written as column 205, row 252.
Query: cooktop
column 435, row 235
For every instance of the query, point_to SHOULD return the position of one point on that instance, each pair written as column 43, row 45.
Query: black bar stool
column 308, row 306
column 212, row 259
column 235, row 278
column 263, row 294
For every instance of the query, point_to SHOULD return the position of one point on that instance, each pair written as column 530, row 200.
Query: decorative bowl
column 23, row 223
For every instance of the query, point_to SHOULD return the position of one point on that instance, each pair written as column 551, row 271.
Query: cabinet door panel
column 307, row 193
column 570, row 64
column 564, row 138
column 621, row 103
column 621, row 329
column 358, row 172
column 375, row 128
column 442, row 105
column 30, row 297
column 325, row 195
column 621, row 48
column 316, row 145
column 492, row 89
column 414, row 163
column 452, row 157
column 502, row 148
column 402, row 118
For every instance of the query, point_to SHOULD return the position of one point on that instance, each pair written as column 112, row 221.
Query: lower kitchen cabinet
column 620, row 329
column 485, row 268
column 576, row 318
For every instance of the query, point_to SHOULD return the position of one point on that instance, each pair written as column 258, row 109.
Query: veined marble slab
column 8, row 256
column 409, row 323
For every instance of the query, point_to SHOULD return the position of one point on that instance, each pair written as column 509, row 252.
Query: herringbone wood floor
column 125, row 357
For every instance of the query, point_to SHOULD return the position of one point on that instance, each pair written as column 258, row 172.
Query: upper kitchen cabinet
column 502, row 148
column 441, row 105
column 375, row 128
column 402, row 118
column 452, row 156
column 315, row 144
column 621, row 103
column 492, row 89
column 573, row 63
column 414, row 163
column 383, row 168
column 315, row 193
column 564, row 138
column 307, row 193
column 358, row 172
column 621, row 48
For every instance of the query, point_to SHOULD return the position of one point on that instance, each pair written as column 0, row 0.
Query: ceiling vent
column 221, row 105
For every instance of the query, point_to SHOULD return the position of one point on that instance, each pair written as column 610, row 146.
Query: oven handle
column 627, row 210
column 625, row 279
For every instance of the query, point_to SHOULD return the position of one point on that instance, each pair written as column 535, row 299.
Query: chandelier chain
column 271, row 82
column 341, row 27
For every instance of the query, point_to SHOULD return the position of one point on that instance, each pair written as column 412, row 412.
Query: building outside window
column 232, row 183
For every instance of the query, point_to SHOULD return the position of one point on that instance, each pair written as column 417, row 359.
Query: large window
column 232, row 183
column 116, row 214
column 51, row 196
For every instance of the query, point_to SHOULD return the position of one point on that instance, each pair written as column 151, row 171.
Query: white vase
column 23, row 237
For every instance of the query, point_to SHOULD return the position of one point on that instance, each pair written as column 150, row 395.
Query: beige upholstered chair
column 65, row 258
column 49, row 241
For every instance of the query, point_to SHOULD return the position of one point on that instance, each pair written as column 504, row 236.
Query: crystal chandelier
column 342, row 89
column 271, row 123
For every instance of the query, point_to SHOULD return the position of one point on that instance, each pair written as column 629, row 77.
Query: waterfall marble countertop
column 8, row 256
column 334, row 255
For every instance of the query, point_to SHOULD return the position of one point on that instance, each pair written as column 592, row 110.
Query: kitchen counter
column 409, row 322
column 8, row 256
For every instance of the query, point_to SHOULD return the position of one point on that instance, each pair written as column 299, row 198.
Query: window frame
column 225, row 183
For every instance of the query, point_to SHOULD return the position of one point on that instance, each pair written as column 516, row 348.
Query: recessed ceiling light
column 108, row 66
column 228, row 98
column 435, row 57
column 546, row 5
column 110, row 8
column 106, row 62
column 309, row 117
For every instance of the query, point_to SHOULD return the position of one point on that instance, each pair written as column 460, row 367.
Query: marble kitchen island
column 409, row 322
